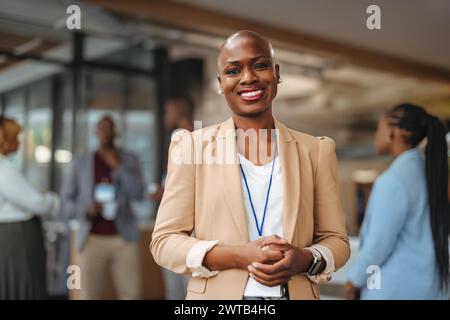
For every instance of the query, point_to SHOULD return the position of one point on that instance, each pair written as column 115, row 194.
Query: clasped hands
column 272, row 261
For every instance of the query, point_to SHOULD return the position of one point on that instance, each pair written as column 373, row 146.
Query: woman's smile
column 251, row 94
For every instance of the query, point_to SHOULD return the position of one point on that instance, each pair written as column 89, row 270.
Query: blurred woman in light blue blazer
column 405, row 231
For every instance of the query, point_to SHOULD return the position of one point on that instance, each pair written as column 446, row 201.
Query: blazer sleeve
column 72, row 207
column 329, row 223
column 18, row 191
column 171, row 239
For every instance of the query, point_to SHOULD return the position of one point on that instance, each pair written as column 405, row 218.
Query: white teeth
column 251, row 93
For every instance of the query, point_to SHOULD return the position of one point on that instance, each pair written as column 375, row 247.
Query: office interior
column 130, row 56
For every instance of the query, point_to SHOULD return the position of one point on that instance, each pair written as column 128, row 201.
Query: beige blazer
column 204, row 201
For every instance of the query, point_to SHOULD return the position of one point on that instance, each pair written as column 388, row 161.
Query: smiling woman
column 254, row 237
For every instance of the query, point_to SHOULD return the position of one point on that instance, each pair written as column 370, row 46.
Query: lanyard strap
column 260, row 230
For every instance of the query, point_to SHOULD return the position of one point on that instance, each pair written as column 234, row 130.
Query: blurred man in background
column 97, row 194
column 178, row 114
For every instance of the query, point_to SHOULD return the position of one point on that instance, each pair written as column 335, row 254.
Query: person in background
column 178, row 112
column 404, row 236
column 22, row 251
column 97, row 194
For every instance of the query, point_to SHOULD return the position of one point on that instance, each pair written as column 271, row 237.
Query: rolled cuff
column 195, row 256
column 327, row 256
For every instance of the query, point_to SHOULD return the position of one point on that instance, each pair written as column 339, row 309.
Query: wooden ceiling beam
column 188, row 17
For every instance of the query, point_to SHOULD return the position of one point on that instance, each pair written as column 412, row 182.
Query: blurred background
column 130, row 56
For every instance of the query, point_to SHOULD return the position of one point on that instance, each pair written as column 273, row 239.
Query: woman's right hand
column 259, row 251
column 240, row 257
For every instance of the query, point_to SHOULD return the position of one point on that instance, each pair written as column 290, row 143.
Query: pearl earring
column 280, row 80
column 220, row 91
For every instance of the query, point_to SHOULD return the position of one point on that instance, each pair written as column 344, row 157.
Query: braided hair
column 418, row 125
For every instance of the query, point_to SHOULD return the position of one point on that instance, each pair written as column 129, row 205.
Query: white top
column 19, row 200
column 258, row 178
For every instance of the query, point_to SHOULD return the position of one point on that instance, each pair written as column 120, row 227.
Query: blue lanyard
column 260, row 230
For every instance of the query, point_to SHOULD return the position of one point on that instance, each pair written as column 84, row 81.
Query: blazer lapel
column 290, row 169
column 230, row 176
column 231, row 179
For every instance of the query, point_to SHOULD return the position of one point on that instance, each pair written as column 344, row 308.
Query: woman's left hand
column 295, row 261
